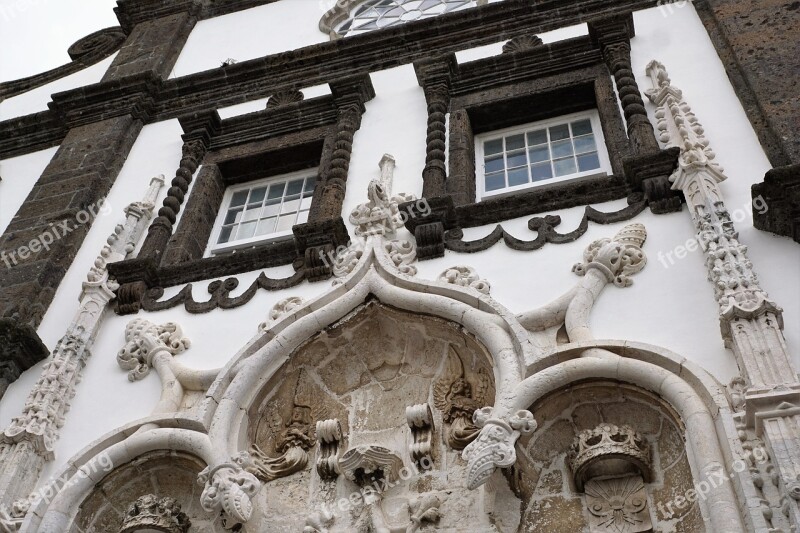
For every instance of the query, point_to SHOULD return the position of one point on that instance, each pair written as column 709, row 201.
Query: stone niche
column 364, row 371
column 164, row 474
column 614, row 497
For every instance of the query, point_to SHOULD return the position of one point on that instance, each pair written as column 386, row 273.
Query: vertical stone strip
column 613, row 35
column 750, row 321
column 435, row 76
column 461, row 183
column 29, row 440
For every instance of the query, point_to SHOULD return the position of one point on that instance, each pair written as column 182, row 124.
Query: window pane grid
column 266, row 209
column 539, row 153
column 374, row 14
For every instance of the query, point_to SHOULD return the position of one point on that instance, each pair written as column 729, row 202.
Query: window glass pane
column 494, row 164
column 302, row 217
column 295, row 187
column 233, row 216
column 257, row 195
column 266, row 226
column 305, row 203
column 239, row 198
column 291, row 204
column 581, row 127
column 564, row 166
column 537, row 137
column 493, row 147
column 584, row 144
column 310, row 182
column 518, row 176
column 224, row 235
column 559, row 132
column 285, row 222
column 588, row 162
column 539, row 154
column 272, row 208
column 515, row 142
column 251, row 214
column 246, row 230
column 541, row 172
column 276, row 190
column 562, row 148
column 495, row 181
column 517, row 159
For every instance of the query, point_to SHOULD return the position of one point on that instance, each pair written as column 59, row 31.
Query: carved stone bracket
column 229, row 489
column 420, row 421
column 494, row 447
column 368, row 464
column 329, row 436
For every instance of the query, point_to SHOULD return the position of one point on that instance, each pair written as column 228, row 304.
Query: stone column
column 750, row 321
column 29, row 440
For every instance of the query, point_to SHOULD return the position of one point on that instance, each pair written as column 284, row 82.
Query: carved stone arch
column 618, row 495
column 162, row 474
column 364, row 371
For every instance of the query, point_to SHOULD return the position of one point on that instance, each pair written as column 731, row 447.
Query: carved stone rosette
column 151, row 513
column 494, row 447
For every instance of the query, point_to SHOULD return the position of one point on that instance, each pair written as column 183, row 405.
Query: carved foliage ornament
column 145, row 339
column 465, row 276
column 494, row 447
column 229, row 488
column 618, row 258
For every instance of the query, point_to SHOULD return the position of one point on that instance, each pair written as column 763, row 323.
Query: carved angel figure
column 293, row 442
column 455, row 397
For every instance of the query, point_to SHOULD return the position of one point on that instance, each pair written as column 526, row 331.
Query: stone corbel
column 494, row 447
column 428, row 219
column 329, row 437
column 420, row 421
column 228, row 489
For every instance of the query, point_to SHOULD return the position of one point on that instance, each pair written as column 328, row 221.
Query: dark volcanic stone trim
column 20, row 349
column 220, row 294
column 757, row 43
column 84, row 53
column 30, row 133
column 544, row 226
column 780, row 192
column 132, row 12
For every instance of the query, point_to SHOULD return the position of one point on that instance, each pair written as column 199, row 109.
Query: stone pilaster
column 750, row 321
column 29, row 440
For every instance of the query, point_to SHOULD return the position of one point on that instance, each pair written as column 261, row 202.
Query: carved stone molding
column 494, row 446
column 284, row 98
column 420, row 421
column 151, row 513
column 617, row 258
column 229, row 489
column 143, row 341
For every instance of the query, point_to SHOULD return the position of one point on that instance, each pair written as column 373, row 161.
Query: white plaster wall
column 36, row 100
column 669, row 306
column 255, row 32
column 19, row 174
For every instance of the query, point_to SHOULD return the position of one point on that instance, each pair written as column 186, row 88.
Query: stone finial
column 143, row 340
column 609, row 450
column 617, row 258
column 151, row 513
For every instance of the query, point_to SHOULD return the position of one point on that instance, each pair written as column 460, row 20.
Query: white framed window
column 262, row 211
column 566, row 147
column 375, row 14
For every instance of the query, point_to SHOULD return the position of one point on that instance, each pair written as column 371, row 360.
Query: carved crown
column 608, row 450
column 151, row 513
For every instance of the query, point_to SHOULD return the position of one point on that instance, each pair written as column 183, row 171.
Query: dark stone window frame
column 291, row 134
column 532, row 81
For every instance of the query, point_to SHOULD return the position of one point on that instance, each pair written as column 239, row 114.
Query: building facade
column 405, row 265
